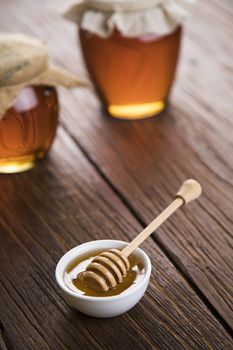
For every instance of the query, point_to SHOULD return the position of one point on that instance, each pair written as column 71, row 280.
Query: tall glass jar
column 27, row 129
column 131, row 50
column 133, row 76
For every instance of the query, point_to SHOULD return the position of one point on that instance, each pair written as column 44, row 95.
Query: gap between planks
column 155, row 238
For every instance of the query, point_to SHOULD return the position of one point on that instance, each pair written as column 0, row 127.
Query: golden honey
column 28, row 128
column 133, row 76
column 134, row 275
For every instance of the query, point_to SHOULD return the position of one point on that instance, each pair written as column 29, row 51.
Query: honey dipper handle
column 189, row 191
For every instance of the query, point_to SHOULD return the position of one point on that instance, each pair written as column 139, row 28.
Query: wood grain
column 3, row 341
column 60, row 204
column 145, row 161
column 77, row 196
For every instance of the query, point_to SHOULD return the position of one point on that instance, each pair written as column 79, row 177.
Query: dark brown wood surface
column 108, row 178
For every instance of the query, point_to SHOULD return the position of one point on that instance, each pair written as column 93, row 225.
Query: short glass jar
column 133, row 76
column 27, row 129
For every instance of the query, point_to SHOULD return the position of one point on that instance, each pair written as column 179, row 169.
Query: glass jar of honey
column 131, row 51
column 132, row 76
column 27, row 128
column 28, row 101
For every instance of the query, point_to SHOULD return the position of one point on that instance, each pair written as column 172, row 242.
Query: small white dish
column 102, row 306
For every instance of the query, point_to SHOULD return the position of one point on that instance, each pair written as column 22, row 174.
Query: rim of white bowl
column 69, row 256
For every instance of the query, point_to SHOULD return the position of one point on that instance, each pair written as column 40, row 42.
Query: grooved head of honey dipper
column 122, row 256
column 106, row 270
column 94, row 281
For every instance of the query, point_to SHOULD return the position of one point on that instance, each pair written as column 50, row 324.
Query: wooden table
column 107, row 178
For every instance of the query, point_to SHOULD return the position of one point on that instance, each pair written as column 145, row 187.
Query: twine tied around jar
column 24, row 61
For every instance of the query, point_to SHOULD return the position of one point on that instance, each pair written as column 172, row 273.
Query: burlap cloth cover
column 131, row 17
column 24, row 61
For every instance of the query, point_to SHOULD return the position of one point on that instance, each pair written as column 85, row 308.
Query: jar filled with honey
column 131, row 50
column 28, row 101
column 27, row 128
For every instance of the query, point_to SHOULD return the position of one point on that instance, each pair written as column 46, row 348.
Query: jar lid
column 24, row 61
column 131, row 17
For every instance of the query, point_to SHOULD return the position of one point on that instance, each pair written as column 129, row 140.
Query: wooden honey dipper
column 109, row 268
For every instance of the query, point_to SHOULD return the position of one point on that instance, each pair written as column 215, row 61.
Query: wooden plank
column 146, row 161
column 60, row 204
column 2, row 344
column 3, row 341
column 103, row 140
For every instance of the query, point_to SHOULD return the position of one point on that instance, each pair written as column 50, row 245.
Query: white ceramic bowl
column 102, row 306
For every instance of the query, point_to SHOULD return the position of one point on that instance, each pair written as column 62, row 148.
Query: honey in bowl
column 135, row 274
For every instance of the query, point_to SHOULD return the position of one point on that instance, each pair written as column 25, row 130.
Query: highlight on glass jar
column 131, row 51
column 28, row 101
